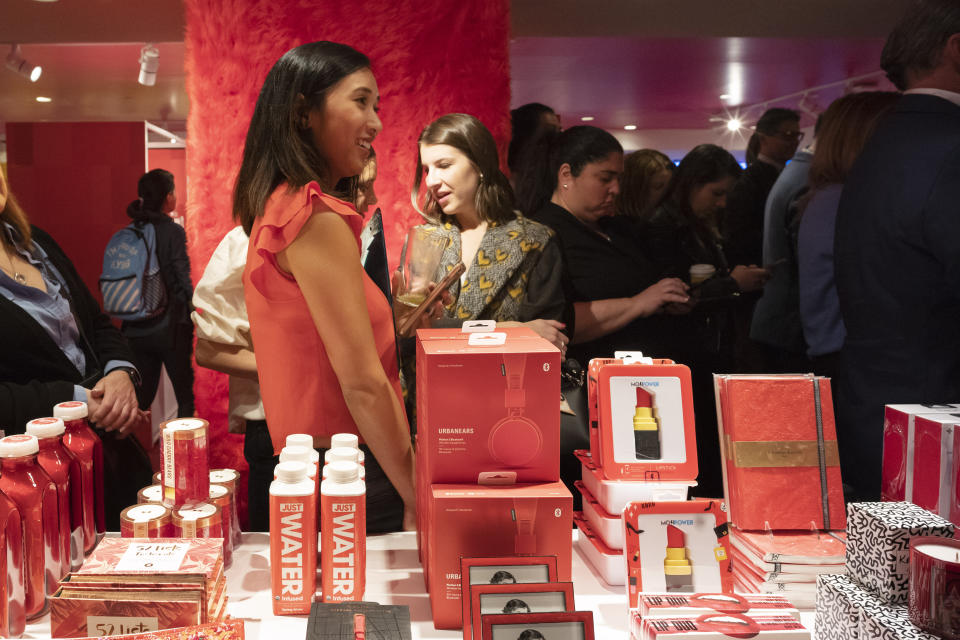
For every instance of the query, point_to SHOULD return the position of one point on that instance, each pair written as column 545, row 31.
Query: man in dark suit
column 897, row 251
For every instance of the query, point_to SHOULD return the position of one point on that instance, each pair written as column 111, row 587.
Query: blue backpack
column 130, row 284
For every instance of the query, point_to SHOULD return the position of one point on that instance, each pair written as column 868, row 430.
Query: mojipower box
column 490, row 521
column 487, row 407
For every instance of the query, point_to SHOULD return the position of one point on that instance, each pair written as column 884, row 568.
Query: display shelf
column 394, row 576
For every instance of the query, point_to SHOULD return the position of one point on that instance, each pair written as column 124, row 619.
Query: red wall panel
column 75, row 180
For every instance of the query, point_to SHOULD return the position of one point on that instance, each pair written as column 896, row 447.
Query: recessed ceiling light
column 630, row 127
column 43, row 99
column 724, row 96
column 587, row 118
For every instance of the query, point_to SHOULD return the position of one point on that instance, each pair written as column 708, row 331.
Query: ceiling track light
column 17, row 64
column 149, row 63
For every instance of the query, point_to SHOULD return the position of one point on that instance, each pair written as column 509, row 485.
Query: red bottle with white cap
column 342, row 454
column 347, row 440
column 83, row 443
column 65, row 473
column 30, row 488
column 293, row 540
column 343, row 533
column 12, row 587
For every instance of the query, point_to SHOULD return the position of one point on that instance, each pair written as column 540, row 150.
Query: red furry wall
column 430, row 57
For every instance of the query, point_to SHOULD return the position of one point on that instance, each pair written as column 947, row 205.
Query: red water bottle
column 65, row 473
column 35, row 495
column 83, row 443
column 12, row 618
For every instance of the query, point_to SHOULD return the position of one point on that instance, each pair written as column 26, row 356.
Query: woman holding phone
column 323, row 330
column 513, row 264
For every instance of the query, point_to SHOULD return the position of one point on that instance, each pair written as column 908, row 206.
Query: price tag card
column 153, row 557
column 120, row 625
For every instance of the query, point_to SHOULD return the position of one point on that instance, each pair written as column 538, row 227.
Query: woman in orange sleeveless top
column 322, row 330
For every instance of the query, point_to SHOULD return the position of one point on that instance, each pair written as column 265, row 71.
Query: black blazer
column 595, row 268
column 742, row 221
column 897, row 259
column 34, row 372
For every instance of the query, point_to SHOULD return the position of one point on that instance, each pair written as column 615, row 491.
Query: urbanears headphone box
column 487, row 407
column 489, row 521
column 646, row 422
column 677, row 547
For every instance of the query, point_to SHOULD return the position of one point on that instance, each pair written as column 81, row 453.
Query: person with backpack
column 157, row 324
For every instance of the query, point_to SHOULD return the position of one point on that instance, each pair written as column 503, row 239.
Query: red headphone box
column 489, row 521
column 488, row 407
column 677, row 547
column 646, row 427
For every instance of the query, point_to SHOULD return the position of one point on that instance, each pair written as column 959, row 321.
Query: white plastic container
column 343, row 454
column 303, row 440
column 346, row 440
column 614, row 495
column 293, row 539
column 607, row 562
column 343, row 533
column 608, row 526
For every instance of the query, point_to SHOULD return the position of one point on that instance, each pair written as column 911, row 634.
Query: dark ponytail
column 153, row 188
column 578, row 146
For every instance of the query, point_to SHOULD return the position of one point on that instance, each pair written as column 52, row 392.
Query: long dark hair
column 704, row 164
column 278, row 149
column 153, row 188
column 494, row 198
column 526, row 124
column 576, row 146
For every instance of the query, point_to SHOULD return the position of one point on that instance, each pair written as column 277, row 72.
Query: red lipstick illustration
column 646, row 427
column 677, row 570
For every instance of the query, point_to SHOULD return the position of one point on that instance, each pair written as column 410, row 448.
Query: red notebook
column 779, row 447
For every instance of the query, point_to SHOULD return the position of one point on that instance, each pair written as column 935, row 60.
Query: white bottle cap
column 291, row 471
column 296, row 454
column 344, row 440
column 19, row 446
column 73, row 410
column 345, row 454
column 184, row 424
column 341, row 472
column 45, row 427
column 303, row 440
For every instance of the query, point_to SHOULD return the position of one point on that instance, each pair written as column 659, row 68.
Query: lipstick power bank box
column 646, row 422
column 608, row 526
column 676, row 547
column 614, row 495
column 487, row 407
column 934, row 466
column 529, row 519
column 606, row 562
column 896, row 480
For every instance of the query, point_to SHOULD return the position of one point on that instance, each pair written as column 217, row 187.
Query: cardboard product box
column 778, row 438
column 896, row 479
column 878, row 544
column 841, row 602
column 677, row 547
column 506, row 599
column 606, row 562
column 935, row 438
column 721, row 626
column 477, row 520
column 660, row 605
column 608, row 526
column 646, row 423
column 223, row 630
column 487, row 407
column 614, row 495
column 593, row 401
column 76, row 613
column 891, row 622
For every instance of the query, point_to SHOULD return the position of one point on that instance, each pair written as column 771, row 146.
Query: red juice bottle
column 65, row 473
column 83, row 443
column 30, row 488
column 12, row 589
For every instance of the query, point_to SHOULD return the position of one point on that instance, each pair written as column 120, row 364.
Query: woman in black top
column 682, row 232
column 166, row 340
column 613, row 287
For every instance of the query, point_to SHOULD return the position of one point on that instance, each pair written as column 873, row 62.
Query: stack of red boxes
column 778, row 438
column 929, row 433
column 642, row 449
column 488, row 452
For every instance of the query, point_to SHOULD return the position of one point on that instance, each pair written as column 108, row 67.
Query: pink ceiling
column 676, row 83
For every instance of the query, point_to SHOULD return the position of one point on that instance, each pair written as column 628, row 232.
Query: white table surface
column 394, row 576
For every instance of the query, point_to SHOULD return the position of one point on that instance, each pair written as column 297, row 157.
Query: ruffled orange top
column 301, row 393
